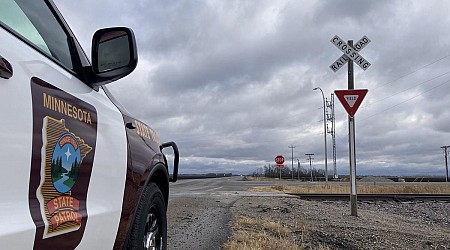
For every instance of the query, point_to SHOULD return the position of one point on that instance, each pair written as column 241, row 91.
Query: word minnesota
column 67, row 109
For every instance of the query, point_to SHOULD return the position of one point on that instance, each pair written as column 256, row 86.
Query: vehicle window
column 35, row 22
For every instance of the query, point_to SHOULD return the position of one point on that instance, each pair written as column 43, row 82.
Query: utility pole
column 310, row 163
column 298, row 169
column 331, row 117
column 292, row 158
column 445, row 148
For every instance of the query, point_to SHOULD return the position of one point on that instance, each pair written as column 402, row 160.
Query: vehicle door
column 63, row 144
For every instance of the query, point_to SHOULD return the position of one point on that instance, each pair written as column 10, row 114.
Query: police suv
column 77, row 170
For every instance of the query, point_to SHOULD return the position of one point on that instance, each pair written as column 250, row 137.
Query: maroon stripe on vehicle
column 142, row 154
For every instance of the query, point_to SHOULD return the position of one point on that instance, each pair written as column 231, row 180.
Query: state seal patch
column 62, row 154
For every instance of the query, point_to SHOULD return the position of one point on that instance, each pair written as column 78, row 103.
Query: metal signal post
column 351, row 139
column 351, row 99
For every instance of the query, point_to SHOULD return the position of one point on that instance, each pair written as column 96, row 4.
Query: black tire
column 149, row 230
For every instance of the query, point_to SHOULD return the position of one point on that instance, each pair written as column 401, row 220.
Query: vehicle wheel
column 149, row 230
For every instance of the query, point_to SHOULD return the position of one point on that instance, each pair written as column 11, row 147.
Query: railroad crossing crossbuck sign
column 350, row 53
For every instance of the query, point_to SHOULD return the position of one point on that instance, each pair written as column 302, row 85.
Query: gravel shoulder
column 379, row 225
column 199, row 222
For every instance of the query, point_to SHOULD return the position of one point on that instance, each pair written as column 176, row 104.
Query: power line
column 407, row 100
column 398, row 104
column 412, row 72
column 394, row 106
column 385, row 98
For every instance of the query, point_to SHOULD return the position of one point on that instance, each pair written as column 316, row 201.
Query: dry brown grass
column 266, row 234
column 257, row 178
column 279, row 187
column 259, row 234
column 362, row 188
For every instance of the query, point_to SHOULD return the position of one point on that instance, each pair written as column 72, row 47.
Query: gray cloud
column 231, row 81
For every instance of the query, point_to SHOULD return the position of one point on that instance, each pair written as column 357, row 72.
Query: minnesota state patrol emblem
column 64, row 140
column 62, row 154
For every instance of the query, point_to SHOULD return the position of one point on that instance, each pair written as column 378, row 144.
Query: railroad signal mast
column 351, row 99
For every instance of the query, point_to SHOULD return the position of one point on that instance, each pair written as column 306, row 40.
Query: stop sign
column 279, row 159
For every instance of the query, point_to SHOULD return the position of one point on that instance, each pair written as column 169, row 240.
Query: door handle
column 6, row 70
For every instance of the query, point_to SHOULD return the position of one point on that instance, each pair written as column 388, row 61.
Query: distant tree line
column 303, row 173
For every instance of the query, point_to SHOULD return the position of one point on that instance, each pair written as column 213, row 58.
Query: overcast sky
column 232, row 81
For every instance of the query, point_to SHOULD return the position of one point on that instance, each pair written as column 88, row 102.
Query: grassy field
column 362, row 188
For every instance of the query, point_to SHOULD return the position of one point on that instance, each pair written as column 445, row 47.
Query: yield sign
column 351, row 99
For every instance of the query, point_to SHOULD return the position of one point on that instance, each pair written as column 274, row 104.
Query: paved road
column 220, row 185
column 199, row 211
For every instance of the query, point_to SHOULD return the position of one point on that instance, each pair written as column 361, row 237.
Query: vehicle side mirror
column 114, row 54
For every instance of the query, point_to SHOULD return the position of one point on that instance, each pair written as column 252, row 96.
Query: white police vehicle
column 77, row 171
